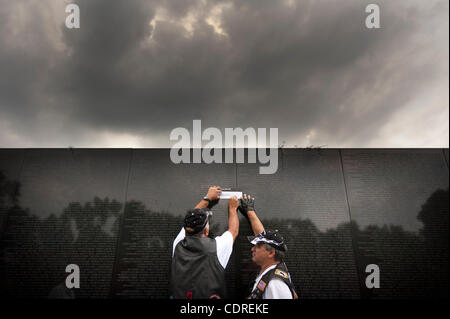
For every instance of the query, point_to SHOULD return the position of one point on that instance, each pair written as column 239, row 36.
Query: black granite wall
column 115, row 213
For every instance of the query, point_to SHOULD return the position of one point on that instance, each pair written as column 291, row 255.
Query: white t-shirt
column 277, row 289
column 224, row 246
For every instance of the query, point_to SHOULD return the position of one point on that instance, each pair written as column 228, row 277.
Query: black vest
column 281, row 272
column 196, row 271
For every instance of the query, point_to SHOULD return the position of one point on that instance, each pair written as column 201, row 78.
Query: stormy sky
column 137, row 69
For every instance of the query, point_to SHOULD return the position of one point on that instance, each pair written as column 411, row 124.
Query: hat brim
column 251, row 238
column 258, row 239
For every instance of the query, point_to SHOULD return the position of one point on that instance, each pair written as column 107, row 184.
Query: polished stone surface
column 11, row 161
column 116, row 212
column 446, row 155
column 398, row 204
column 306, row 201
column 69, row 207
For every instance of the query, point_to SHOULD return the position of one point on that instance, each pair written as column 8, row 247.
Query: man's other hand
column 214, row 192
column 233, row 203
column 247, row 204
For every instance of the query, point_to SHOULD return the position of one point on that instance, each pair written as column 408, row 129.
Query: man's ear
column 271, row 253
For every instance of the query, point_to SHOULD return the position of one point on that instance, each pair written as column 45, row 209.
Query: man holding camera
column 199, row 262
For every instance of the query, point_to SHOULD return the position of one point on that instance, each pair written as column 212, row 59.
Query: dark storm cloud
column 142, row 68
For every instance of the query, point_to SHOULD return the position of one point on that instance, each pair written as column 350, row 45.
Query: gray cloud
column 137, row 69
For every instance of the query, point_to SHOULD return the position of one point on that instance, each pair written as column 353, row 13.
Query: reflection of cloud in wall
column 389, row 187
column 50, row 179
column 107, row 227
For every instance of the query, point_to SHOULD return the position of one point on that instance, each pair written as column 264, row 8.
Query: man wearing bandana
column 199, row 262
column 268, row 252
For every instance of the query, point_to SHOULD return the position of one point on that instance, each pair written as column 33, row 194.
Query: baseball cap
column 196, row 219
column 270, row 237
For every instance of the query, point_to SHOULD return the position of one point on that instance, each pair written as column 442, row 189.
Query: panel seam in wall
column 351, row 227
column 445, row 157
column 120, row 230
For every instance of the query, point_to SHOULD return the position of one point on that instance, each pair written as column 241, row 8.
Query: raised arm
column 213, row 195
column 247, row 208
column 233, row 220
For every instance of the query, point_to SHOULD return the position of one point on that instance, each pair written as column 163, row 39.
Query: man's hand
column 247, row 204
column 233, row 203
column 214, row 192
column 213, row 196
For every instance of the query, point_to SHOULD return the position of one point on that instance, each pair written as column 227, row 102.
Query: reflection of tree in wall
column 411, row 264
column 34, row 251
column 9, row 198
column 93, row 228
column 144, row 252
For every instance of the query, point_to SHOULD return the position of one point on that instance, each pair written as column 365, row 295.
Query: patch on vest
column 261, row 285
column 281, row 273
